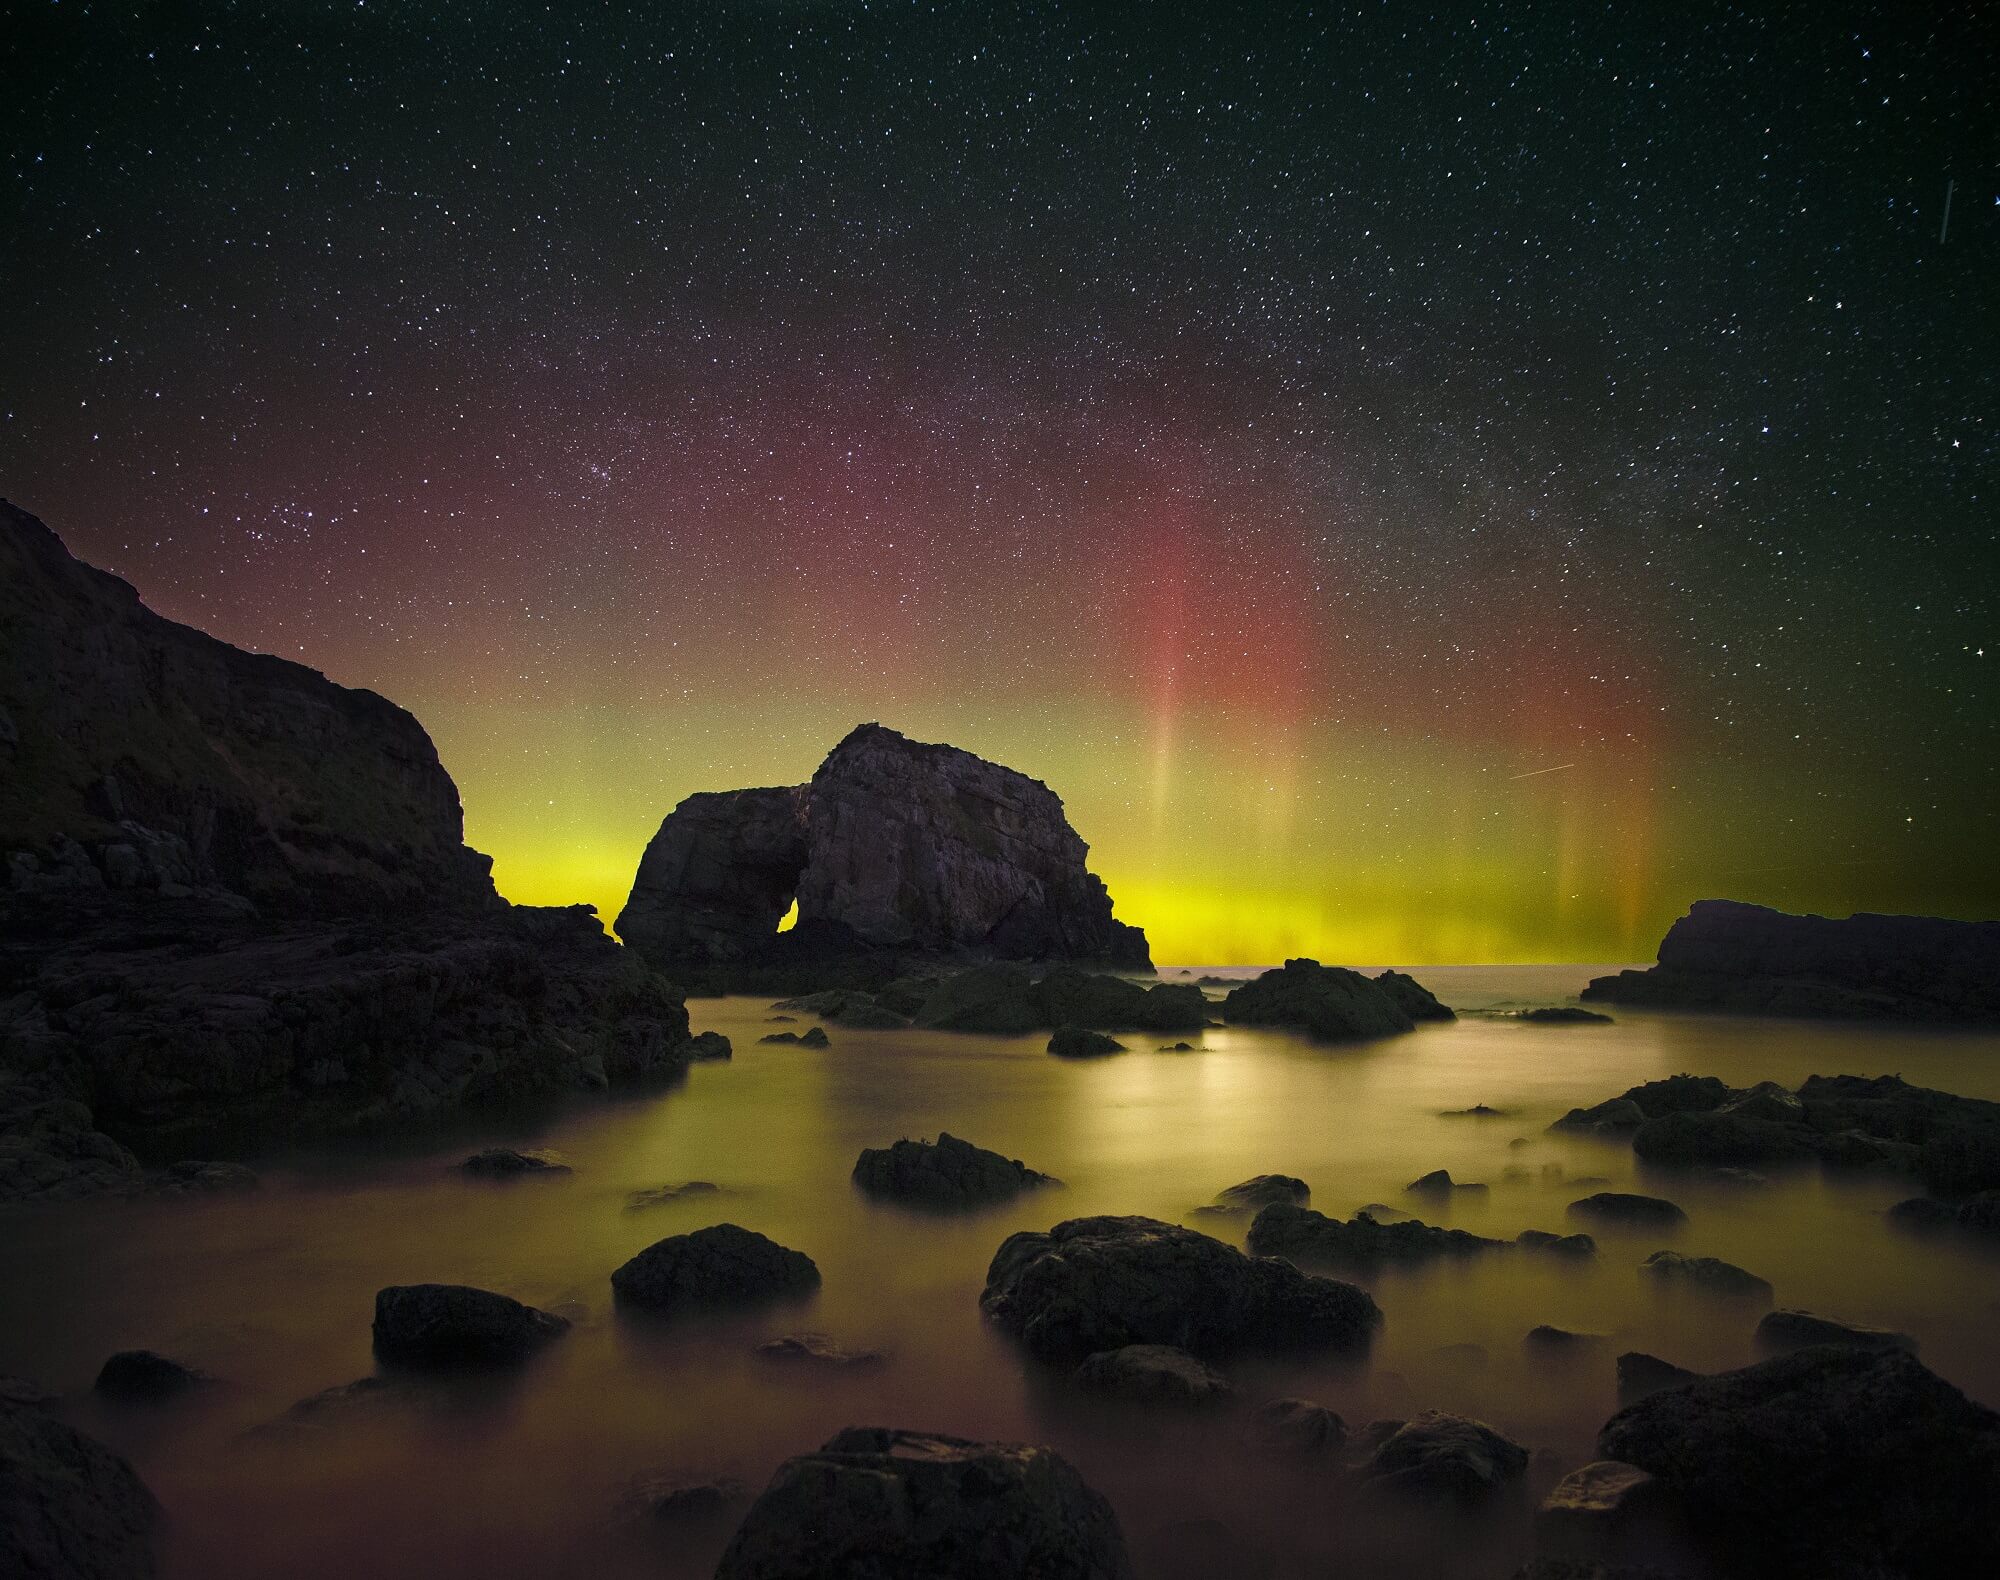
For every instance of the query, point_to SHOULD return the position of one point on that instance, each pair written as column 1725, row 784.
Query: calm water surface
column 273, row 1291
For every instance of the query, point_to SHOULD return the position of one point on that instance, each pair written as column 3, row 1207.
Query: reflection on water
column 273, row 1292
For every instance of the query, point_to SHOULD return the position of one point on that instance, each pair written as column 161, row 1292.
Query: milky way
column 1292, row 433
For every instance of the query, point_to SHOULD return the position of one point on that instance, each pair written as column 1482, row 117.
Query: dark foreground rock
column 1747, row 959
column 1797, row 1330
column 1448, row 1457
column 720, row 1266
column 1093, row 1284
column 944, row 1173
column 1561, row 1015
column 1294, row 1429
column 1640, row 1374
column 145, row 1377
column 894, row 847
column 455, row 1325
column 1828, row 1464
column 500, row 1163
column 1610, row 1512
column 1153, row 1374
column 876, row 1503
column 1249, row 1195
column 70, row 1509
column 1077, row 1042
column 1362, row 1242
column 1624, row 1210
column 1327, row 1002
column 1571, row 1245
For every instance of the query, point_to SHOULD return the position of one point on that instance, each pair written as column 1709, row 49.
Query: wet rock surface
column 875, row 1501
column 946, row 1173
column 447, row 1325
column 718, row 1267
column 1831, row 1463
column 70, row 1508
column 1093, row 1284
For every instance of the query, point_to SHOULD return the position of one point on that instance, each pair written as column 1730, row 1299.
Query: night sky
column 1423, row 483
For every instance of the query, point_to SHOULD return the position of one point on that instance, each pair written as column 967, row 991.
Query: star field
column 1423, row 482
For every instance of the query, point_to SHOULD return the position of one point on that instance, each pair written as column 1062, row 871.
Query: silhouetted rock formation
column 1301, row 1235
column 893, row 847
column 457, row 1325
column 946, row 1173
column 251, row 883
column 1447, row 1457
column 1725, row 955
column 1331, row 1002
column 717, row 1267
column 70, row 1509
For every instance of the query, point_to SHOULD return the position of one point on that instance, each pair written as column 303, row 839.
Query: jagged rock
column 1578, row 1245
column 1074, row 1042
column 1294, row 1429
column 875, row 1501
column 1748, row 959
column 719, row 1266
column 1153, row 1374
column 1640, row 1374
column 706, row 1047
column 1440, row 1183
column 1439, row 1455
column 1328, row 1002
column 663, row 1195
column 816, row 1349
column 70, row 1509
column 1252, row 1194
column 1827, row 1464
column 1561, row 1015
column 1957, row 1138
column 1622, row 1209
column 1707, row 1273
column 1412, row 997
column 947, row 1172
column 811, row 1037
column 1093, row 1284
column 145, row 1377
column 506, row 1163
column 1618, row 1113
column 894, row 846
column 1363, row 1242
column 424, row 1325
column 50, row 1148
column 1787, row 1329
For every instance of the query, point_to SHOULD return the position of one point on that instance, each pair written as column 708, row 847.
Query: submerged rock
column 1622, row 1209
column 455, row 1324
column 145, row 1377
column 70, row 1509
column 1549, row 1341
column 1439, row 1455
column 1302, row 1235
column 1251, row 1194
column 663, row 1195
column 1093, row 1284
column 1328, row 1002
column 1577, row 1245
column 945, row 1173
column 706, row 1047
column 1294, row 1429
column 506, row 1163
column 720, row 1266
column 875, row 1501
column 1831, row 1462
column 1707, row 1273
column 1440, row 1183
column 682, row 1498
column 1640, row 1374
column 1153, row 1374
column 1978, row 1214
column 816, row 1349
column 1787, row 1329
column 1074, row 1042
column 1610, row 1511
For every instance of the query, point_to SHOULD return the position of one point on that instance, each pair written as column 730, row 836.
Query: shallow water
column 273, row 1291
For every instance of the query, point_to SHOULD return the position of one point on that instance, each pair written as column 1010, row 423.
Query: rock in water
column 1093, row 1284
column 1439, row 1455
column 1294, row 1429
column 876, row 1503
column 719, row 1266
column 895, row 846
column 1707, row 1273
column 1075, row 1042
column 1561, row 1015
column 1826, row 1463
column 1252, row 1194
column 1363, row 1242
column 1153, row 1374
column 1412, row 997
column 1795, row 1330
column 1622, row 1209
column 70, row 1509
column 817, row 1350
column 947, row 1172
column 455, row 1325
column 144, row 1377
column 1328, row 1002
column 502, row 1163
column 1640, row 1374
column 1746, row 958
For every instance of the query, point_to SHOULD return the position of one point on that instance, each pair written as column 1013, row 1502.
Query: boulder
column 1708, row 1274
column 1577, row 1245
column 1093, row 1284
column 1254, row 1193
column 947, row 1172
column 1623, row 1210
column 1074, row 1042
column 70, row 1509
column 1363, row 1242
column 1828, row 1464
column 1787, row 1329
column 706, row 1047
column 1412, row 997
column 1614, row 1114
column 1751, row 960
column 1551, row 1342
column 496, row 1163
column 1444, row 1456
column 420, row 1325
column 145, row 1377
column 893, row 847
column 1609, row 1510
column 1327, row 1002
column 1294, row 1429
column 1640, row 1374
column 720, row 1266
column 1440, row 1183
column 878, row 1502
column 1153, row 1374
column 819, row 1351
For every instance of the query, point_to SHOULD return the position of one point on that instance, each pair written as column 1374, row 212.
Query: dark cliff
column 893, row 846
